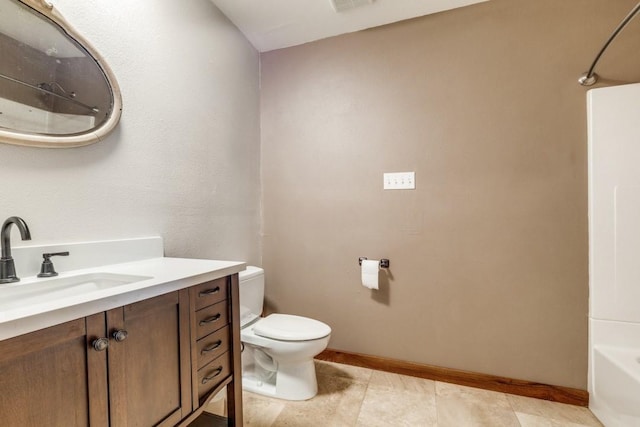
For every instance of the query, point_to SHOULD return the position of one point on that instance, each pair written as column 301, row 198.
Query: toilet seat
column 287, row 327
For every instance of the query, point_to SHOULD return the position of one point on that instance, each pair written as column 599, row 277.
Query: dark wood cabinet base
column 209, row 420
column 155, row 362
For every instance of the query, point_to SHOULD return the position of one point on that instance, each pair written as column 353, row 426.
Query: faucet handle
column 46, row 269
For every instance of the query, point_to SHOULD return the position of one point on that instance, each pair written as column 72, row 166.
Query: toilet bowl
column 278, row 350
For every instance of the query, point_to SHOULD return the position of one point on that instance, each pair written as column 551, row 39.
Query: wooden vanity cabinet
column 215, row 341
column 150, row 363
column 52, row 377
column 140, row 376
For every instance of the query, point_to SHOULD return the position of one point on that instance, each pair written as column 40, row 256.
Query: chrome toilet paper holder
column 384, row 263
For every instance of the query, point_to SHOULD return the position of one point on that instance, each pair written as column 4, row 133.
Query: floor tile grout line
column 515, row 414
column 364, row 396
column 435, row 402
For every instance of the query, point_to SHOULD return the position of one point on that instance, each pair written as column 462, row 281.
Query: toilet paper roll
column 369, row 271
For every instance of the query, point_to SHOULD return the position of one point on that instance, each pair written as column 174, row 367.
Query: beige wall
column 488, row 255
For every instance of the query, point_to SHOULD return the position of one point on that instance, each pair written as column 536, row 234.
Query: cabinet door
column 149, row 362
column 44, row 380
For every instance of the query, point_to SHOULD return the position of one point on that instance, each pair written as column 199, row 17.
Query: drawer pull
column 209, row 292
column 211, row 347
column 210, row 319
column 209, row 378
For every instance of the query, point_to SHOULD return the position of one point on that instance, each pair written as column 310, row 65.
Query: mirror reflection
column 50, row 84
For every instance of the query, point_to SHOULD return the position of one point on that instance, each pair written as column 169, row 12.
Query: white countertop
column 165, row 275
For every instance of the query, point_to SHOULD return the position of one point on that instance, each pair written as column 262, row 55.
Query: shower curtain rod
column 94, row 110
column 589, row 78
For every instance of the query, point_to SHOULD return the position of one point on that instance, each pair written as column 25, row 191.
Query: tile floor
column 353, row 396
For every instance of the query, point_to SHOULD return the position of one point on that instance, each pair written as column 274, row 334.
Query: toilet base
column 292, row 381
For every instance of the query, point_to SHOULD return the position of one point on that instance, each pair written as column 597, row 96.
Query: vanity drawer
column 211, row 292
column 212, row 346
column 211, row 319
column 213, row 374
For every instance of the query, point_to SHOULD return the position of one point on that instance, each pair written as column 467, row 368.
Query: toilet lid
column 288, row 327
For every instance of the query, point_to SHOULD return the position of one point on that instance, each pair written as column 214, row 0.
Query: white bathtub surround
column 16, row 115
column 140, row 259
column 614, row 255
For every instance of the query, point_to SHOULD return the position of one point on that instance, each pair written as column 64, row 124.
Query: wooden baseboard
column 489, row 382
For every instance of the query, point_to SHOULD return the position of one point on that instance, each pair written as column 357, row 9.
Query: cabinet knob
column 100, row 344
column 120, row 335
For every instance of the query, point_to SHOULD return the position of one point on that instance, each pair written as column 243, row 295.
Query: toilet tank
column 251, row 294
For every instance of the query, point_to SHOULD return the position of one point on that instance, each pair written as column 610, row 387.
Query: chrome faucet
column 7, row 268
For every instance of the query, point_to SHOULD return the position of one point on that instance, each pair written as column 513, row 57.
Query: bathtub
column 615, row 398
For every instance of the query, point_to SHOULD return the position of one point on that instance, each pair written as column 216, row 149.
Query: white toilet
column 278, row 350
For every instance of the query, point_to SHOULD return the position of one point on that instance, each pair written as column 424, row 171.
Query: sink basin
column 21, row 295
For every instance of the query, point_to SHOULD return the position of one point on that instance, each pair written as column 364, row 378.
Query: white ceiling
column 274, row 24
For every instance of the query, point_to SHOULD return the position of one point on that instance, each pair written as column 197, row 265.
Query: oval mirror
column 55, row 89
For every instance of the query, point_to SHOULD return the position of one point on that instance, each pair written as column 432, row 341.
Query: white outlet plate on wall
column 399, row 181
